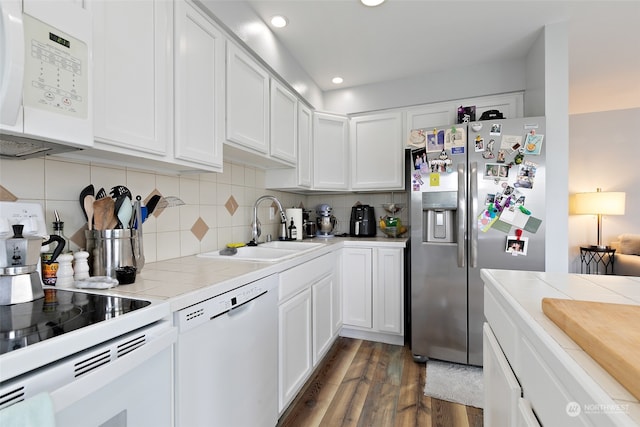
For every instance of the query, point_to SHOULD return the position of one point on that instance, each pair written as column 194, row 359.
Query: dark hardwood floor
column 368, row 384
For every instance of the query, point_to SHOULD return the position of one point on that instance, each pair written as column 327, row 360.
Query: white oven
column 45, row 77
column 103, row 360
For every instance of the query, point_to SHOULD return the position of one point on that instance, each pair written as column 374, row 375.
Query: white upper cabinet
column 133, row 75
column 199, row 88
column 428, row 116
column 247, row 101
column 284, row 124
column 330, row 152
column 305, row 146
column 377, row 152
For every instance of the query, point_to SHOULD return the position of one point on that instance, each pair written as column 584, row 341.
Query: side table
column 594, row 260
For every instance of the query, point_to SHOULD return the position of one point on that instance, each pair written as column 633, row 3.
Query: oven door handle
column 73, row 392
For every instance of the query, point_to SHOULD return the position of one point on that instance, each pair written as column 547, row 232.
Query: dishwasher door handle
column 239, row 308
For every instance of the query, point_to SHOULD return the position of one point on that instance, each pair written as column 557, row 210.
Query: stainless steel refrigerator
column 477, row 201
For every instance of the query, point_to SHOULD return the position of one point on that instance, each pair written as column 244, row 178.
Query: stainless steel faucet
column 255, row 225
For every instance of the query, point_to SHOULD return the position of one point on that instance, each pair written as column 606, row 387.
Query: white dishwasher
column 227, row 359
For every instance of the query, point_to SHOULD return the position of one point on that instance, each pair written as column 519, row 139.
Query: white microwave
column 45, row 78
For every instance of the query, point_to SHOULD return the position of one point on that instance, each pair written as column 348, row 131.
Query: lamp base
column 600, row 247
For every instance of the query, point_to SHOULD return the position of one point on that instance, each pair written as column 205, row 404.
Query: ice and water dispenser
column 439, row 211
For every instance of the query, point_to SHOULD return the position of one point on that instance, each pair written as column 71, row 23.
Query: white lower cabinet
column 294, row 343
column 357, row 279
column 501, row 388
column 373, row 293
column 306, row 322
column 322, row 300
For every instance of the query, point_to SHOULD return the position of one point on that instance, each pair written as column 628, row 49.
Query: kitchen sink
column 266, row 252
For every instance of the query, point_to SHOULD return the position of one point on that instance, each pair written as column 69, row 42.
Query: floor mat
column 455, row 383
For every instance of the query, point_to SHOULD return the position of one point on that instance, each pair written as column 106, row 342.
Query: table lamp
column 599, row 203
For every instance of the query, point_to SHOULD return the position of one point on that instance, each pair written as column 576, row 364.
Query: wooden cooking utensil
column 88, row 209
column 104, row 214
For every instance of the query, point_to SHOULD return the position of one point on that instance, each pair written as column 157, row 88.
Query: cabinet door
column 501, row 388
column 356, row 287
column 133, row 74
column 337, row 295
column 330, row 152
column 294, row 344
column 377, row 153
column 199, row 87
column 388, row 280
column 247, row 101
column 322, row 299
column 428, row 117
column 305, row 145
column 284, row 124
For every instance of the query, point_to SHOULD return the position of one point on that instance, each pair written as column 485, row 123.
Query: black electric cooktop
column 57, row 313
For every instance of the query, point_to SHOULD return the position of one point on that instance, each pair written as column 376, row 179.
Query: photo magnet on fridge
column 434, row 143
column 517, row 245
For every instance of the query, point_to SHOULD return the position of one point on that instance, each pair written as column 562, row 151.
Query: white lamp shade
column 599, row 203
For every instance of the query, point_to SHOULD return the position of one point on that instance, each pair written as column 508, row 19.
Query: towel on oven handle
column 36, row 411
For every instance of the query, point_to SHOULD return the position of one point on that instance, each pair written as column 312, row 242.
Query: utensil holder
column 112, row 249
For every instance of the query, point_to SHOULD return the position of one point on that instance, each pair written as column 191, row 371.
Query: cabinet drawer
column 502, row 327
column 501, row 388
column 297, row 278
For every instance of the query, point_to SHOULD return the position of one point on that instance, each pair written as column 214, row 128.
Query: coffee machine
column 325, row 220
column 22, row 234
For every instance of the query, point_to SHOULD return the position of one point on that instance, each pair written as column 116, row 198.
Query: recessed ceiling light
column 371, row 3
column 279, row 21
column 337, row 80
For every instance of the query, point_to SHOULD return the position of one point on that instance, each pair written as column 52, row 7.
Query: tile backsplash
column 217, row 208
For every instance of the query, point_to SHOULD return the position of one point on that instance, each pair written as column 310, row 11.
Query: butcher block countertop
column 524, row 293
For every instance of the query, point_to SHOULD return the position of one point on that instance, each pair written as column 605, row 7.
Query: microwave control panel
column 56, row 70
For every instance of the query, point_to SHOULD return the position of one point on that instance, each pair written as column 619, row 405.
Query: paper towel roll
column 296, row 214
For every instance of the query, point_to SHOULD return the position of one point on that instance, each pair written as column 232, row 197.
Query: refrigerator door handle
column 461, row 216
column 473, row 208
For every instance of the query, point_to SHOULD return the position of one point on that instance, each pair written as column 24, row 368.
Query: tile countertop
column 188, row 280
column 524, row 290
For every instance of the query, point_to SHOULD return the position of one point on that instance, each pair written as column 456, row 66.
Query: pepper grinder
column 81, row 265
column 64, row 276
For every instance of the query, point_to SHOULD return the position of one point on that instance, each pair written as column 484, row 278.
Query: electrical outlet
column 272, row 213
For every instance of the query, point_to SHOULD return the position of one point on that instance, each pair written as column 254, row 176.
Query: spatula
column 86, row 191
column 104, row 214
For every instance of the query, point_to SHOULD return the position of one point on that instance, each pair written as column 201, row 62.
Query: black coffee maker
column 363, row 221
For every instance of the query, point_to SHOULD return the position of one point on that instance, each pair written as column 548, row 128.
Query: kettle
column 21, row 251
column 19, row 255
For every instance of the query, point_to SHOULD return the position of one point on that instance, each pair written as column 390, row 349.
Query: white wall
column 535, row 79
column 604, row 153
column 556, row 96
column 478, row 80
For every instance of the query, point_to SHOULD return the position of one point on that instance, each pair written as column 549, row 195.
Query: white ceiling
column 403, row 38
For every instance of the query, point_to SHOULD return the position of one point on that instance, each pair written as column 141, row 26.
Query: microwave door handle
column 461, row 216
column 12, row 73
column 473, row 207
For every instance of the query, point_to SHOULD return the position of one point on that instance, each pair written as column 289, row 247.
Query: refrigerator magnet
column 517, row 245
column 533, row 143
column 479, row 144
column 488, row 151
column 496, row 129
column 434, row 144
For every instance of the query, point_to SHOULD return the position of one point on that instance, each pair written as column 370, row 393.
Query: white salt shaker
column 80, row 265
column 64, row 276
